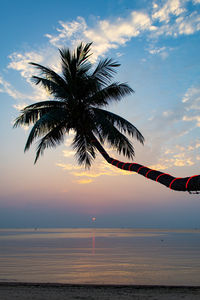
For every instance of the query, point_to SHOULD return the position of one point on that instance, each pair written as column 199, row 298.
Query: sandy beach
column 43, row 291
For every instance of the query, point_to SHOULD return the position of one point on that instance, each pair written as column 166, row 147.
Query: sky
column 157, row 44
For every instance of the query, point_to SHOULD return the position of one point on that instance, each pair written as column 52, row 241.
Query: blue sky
column 157, row 44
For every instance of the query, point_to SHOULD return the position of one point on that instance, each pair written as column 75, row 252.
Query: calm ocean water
column 103, row 256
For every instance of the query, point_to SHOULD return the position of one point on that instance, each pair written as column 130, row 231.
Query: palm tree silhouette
column 79, row 95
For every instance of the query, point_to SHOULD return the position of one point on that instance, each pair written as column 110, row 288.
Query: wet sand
column 49, row 291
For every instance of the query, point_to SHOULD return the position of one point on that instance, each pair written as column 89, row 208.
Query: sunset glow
column 157, row 44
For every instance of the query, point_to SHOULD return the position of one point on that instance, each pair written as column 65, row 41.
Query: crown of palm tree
column 79, row 94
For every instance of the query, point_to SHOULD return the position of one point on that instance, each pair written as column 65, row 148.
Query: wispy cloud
column 68, row 32
column 105, row 35
column 108, row 35
column 166, row 18
column 192, row 118
column 84, row 181
column 68, row 167
column 178, row 156
column 20, row 106
column 20, row 62
column 170, row 7
column 191, row 101
column 175, row 19
column 68, row 153
column 6, row 87
column 192, row 98
column 102, row 168
column 163, row 52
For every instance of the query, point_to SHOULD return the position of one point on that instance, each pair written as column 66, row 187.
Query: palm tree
column 78, row 97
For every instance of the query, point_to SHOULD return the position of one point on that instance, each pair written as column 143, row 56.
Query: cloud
column 37, row 94
column 194, row 118
column 157, row 50
column 191, row 101
column 163, row 165
column 68, row 153
column 166, row 128
column 68, row 31
column 163, row 52
column 101, row 168
column 107, row 35
column 6, row 87
column 188, row 109
column 182, row 159
column 84, row 181
column 178, row 156
column 189, row 24
column 20, row 106
column 192, row 98
column 20, row 62
column 170, row 7
column 167, row 18
column 68, row 167
column 175, row 19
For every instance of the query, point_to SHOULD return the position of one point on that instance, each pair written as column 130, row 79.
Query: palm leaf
column 104, row 71
column 114, row 91
column 120, row 122
column 48, row 103
column 76, row 63
column 51, row 75
column 84, row 149
column 82, row 53
column 114, row 137
column 32, row 113
column 53, row 88
column 53, row 138
column 47, row 122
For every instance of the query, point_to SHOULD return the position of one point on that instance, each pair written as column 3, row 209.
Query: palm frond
column 104, row 71
column 114, row 91
column 53, row 138
column 84, row 149
column 32, row 113
column 53, row 88
column 82, row 53
column 114, row 137
column 120, row 122
column 50, row 74
column 75, row 64
column 48, row 103
column 46, row 123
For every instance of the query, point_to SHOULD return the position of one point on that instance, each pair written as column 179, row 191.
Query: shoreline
column 58, row 291
column 109, row 285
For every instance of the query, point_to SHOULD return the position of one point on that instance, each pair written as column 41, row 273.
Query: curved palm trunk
column 190, row 184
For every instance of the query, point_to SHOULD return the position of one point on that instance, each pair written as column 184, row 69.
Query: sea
column 101, row 256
